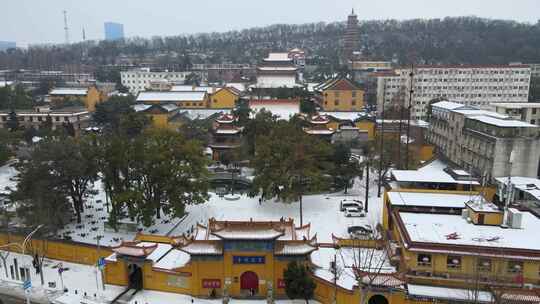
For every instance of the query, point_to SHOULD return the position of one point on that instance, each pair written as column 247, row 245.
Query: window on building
column 533, row 121
column 215, row 100
column 534, row 111
column 484, row 265
column 453, row 262
column 424, row 260
column 515, row 267
column 353, row 102
column 57, row 118
column 336, row 102
column 66, row 118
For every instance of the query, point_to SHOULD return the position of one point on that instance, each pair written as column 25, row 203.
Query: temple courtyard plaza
column 320, row 211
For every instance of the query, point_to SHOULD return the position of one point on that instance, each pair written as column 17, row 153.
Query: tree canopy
column 288, row 162
column 298, row 281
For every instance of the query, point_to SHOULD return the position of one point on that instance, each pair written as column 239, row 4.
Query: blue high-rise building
column 5, row 45
column 114, row 31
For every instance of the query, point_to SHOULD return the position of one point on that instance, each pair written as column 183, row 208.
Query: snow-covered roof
column 278, row 57
column 159, row 252
column 237, row 85
column 429, row 174
column 352, row 116
column 526, row 184
column 189, row 88
column 69, row 91
column 284, row 110
column 435, row 228
column 173, row 259
column 504, row 123
column 363, row 259
column 431, row 199
column 277, row 68
column 203, row 248
column 228, row 131
column 201, row 113
column 320, row 131
column 448, row 105
column 171, row 96
column 248, row 234
column 294, row 248
column 445, row 293
column 516, row 105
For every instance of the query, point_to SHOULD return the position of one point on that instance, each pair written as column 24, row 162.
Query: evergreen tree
column 71, row 162
column 169, row 173
column 41, row 196
column 110, row 113
column 298, row 281
column 289, row 163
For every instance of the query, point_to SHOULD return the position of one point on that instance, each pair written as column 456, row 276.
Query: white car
column 355, row 204
column 354, row 212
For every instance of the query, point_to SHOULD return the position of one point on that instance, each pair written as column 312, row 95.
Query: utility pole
column 411, row 92
column 66, row 29
column 382, row 143
column 335, row 277
column 367, row 183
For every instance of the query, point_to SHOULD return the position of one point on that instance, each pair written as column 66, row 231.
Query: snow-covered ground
column 322, row 211
column 7, row 173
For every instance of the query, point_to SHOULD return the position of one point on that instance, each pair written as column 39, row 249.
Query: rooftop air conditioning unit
column 465, row 213
column 514, row 218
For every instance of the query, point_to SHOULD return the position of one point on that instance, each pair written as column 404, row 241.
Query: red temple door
column 249, row 280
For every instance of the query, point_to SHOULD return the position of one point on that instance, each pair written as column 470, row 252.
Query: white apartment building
column 524, row 111
column 474, row 85
column 482, row 141
column 138, row 80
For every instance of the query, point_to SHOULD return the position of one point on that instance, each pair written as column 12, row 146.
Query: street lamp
column 22, row 247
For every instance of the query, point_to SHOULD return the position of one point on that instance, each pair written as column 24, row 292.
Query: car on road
column 350, row 204
column 354, row 212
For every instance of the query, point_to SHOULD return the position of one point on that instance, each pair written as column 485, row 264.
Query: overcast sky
column 41, row 21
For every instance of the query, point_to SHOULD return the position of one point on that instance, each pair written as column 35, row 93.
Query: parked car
column 354, row 212
column 351, row 204
column 359, row 231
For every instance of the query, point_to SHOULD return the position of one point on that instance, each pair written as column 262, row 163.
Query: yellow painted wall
column 426, row 152
column 116, row 273
column 345, row 100
column 59, row 250
column 368, row 126
column 223, row 99
column 490, row 218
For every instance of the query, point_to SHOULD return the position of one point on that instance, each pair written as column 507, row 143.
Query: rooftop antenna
column 66, row 29
column 508, row 190
column 411, row 92
column 83, row 34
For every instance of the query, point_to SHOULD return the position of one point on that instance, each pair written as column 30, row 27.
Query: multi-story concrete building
column 484, row 142
column 535, row 69
column 475, row 85
column 114, row 31
column 79, row 117
column 141, row 79
column 524, row 111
